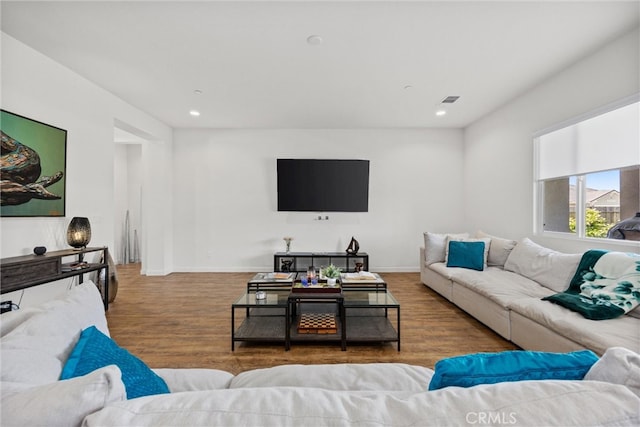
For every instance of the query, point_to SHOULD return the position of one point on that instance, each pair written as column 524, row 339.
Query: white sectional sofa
column 38, row 343
column 507, row 295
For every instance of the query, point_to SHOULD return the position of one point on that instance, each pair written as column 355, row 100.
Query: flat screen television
column 323, row 185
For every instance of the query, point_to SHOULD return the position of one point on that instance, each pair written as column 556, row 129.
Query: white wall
column 39, row 88
column 225, row 211
column 498, row 165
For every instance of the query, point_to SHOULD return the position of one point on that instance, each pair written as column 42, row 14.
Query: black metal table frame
column 295, row 298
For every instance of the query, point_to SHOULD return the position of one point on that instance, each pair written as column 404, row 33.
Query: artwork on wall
column 32, row 167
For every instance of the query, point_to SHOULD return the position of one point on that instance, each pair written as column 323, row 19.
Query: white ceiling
column 255, row 69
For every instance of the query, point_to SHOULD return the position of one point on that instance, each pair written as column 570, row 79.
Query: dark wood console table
column 26, row 271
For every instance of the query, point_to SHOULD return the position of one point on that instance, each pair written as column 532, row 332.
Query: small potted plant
column 331, row 273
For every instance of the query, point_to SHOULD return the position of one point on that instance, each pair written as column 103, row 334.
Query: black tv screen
column 323, row 185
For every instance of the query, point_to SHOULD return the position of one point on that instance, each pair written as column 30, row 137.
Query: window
column 588, row 175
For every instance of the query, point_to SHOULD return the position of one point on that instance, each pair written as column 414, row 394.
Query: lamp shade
column 79, row 232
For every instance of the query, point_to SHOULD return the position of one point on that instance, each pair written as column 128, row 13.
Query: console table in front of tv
column 300, row 261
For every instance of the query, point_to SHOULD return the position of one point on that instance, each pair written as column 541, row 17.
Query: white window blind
column 607, row 141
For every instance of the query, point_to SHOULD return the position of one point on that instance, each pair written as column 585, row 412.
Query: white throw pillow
column 550, row 268
column 435, row 246
column 487, row 245
column 499, row 250
column 35, row 351
column 61, row 403
column 617, row 365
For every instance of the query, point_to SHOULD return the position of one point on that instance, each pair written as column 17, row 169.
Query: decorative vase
column 113, row 279
column 287, row 241
column 331, row 281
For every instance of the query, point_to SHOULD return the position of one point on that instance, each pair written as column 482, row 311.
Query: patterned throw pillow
column 95, row 350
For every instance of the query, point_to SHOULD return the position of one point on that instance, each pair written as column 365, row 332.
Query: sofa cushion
column 352, row 376
column 95, row 350
column 179, row 380
column 499, row 250
column 595, row 335
column 435, row 246
column 35, row 351
column 490, row 368
column 466, row 255
column 546, row 266
column 617, row 365
column 61, row 403
column 494, row 283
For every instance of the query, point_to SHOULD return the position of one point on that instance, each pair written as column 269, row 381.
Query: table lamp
column 79, row 232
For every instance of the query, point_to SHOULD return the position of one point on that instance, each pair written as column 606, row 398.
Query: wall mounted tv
column 323, row 185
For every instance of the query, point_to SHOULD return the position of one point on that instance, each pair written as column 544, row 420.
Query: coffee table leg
column 233, row 329
column 287, row 326
column 398, row 327
column 343, row 318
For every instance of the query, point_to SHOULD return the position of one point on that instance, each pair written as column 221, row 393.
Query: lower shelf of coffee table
column 362, row 326
column 261, row 328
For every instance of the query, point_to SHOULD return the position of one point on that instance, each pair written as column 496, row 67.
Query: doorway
column 128, row 197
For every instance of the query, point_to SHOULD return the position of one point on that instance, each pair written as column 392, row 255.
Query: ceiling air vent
column 450, row 99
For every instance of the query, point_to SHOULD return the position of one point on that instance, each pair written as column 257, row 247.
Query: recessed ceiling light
column 440, row 111
column 314, row 40
column 194, row 113
column 197, row 92
column 408, row 87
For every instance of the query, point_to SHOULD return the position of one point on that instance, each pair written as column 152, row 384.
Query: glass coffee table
column 361, row 315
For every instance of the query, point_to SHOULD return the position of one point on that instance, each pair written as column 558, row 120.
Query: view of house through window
column 578, row 190
column 605, row 199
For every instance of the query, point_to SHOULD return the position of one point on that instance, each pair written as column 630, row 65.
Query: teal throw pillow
column 95, row 350
column 490, row 368
column 466, row 255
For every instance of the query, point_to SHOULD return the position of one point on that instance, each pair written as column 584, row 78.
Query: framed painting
column 32, row 167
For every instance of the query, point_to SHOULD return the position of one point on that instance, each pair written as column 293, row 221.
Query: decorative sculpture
column 353, row 247
column 286, row 265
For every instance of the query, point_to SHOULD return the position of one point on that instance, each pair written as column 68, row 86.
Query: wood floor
column 183, row 320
